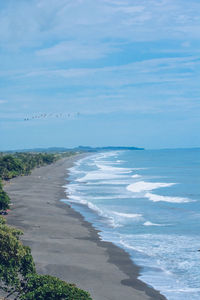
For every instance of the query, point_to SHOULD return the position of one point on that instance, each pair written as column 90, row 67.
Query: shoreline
column 64, row 244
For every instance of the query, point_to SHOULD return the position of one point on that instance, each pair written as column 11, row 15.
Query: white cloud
column 151, row 70
column 35, row 23
column 64, row 36
column 76, row 50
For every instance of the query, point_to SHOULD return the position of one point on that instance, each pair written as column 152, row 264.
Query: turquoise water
column 147, row 202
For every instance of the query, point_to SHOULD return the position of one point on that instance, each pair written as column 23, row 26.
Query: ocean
column 148, row 203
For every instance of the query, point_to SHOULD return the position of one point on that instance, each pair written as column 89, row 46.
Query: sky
column 100, row 72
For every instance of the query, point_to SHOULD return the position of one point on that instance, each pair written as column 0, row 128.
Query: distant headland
column 78, row 149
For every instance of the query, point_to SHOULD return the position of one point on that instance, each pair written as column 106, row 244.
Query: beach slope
column 63, row 244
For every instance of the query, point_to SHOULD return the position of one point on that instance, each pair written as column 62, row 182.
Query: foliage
column 16, row 261
column 12, row 165
column 42, row 287
column 4, row 200
column 20, row 164
column 2, row 221
column 17, row 270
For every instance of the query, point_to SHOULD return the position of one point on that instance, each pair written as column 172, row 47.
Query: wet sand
column 63, row 244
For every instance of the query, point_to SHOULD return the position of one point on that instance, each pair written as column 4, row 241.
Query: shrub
column 43, row 287
column 4, row 200
column 16, row 261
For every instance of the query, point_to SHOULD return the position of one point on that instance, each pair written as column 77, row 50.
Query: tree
column 16, row 261
column 10, row 167
column 4, row 199
column 43, row 287
column 13, row 165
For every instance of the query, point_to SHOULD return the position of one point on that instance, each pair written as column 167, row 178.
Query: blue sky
column 130, row 68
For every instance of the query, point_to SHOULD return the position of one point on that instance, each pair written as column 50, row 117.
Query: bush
column 12, row 165
column 16, row 261
column 43, row 287
column 4, row 200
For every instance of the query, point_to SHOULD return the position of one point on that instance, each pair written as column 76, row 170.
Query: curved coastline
column 64, row 244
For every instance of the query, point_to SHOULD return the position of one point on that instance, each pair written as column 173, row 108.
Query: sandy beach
column 63, row 244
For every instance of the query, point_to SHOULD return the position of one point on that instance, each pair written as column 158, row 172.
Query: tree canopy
column 16, row 261
column 42, row 287
column 4, row 199
column 12, row 165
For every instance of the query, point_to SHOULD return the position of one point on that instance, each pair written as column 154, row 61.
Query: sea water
column 147, row 202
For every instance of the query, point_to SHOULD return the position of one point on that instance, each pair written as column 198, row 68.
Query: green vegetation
column 19, row 278
column 12, row 165
column 44, row 287
column 4, row 199
column 19, row 164
column 16, row 261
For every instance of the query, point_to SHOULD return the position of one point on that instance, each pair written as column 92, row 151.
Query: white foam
column 183, row 290
column 113, row 169
column 136, row 169
column 142, row 186
column 113, row 218
column 105, row 172
column 102, row 213
column 79, row 162
column 158, row 198
column 75, row 198
column 136, row 176
column 125, row 215
column 106, row 154
column 109, row 197
column 99, row 176
column 128, row 246
column 110, row 182
column 148, row 223
column 71, row 188
column 79, row 200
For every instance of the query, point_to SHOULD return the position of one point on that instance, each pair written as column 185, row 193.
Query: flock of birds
column 52, row 115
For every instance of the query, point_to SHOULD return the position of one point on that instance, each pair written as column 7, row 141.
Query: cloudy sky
column 130, row 68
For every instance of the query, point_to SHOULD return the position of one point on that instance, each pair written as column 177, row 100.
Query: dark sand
column 66, row 246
